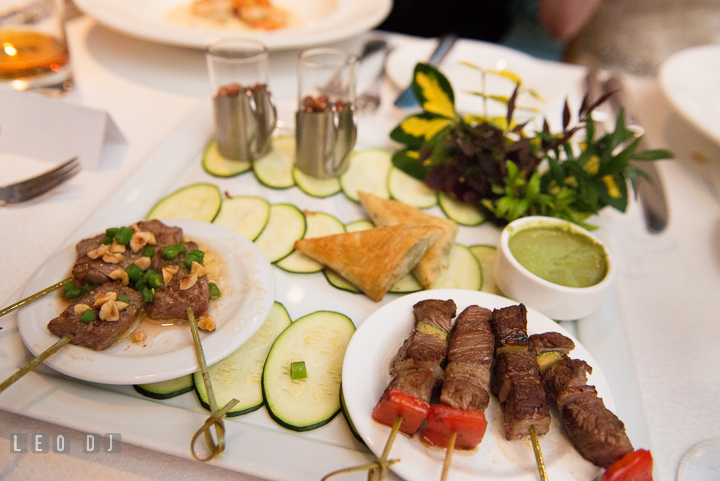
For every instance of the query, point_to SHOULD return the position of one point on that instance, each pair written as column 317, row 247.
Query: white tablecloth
column 666, row 290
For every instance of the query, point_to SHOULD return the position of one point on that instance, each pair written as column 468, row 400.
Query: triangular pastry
column 385, row 212
column 372, row 259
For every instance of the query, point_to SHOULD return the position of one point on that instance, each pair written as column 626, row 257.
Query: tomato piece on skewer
column 444, row 420
column 395, row 403
column 635, row 466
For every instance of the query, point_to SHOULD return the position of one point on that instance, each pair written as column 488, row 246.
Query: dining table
column 655, row 337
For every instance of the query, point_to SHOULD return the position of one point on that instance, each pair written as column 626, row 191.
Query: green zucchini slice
column 320, row 339
column 238, row 375
column 463, row 271
column 215, row 164
column 275, row 169
column 409, row 190
column 463, row 214
column 315, row 187
column 285, row 226
column 199, row 201
column 486, row 255
column 166, row 389
column 319, row 224
column 368, row 171
column 246, row 215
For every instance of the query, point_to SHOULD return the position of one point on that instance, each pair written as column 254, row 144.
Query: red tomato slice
column 396, row 403
column 444, row 420
column 635, row 466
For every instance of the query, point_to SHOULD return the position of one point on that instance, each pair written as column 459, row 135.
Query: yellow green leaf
column 611, row 186
column 433, row 90
column 508, row 75
column 417, row 126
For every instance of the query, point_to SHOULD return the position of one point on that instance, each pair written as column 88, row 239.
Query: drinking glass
column 326, row 119
column 701, row 462
column 33, row 49
column 245, row 114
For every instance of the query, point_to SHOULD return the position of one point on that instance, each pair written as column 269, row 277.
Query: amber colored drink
column 29, row 54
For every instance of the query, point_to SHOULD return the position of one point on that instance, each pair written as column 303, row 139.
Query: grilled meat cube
column 567, row 373
column 472, row 346
column 549, row 342
column 466, row 386
column 435, row 312
column 526, row 406
column 597, row 434
column 164, row 235
column 509, row 366
column 171, row 301
column 419, row 383
column 510, row 328
column 98, row 334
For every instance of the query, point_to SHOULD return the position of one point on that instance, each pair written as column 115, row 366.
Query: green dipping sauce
column 560, row 256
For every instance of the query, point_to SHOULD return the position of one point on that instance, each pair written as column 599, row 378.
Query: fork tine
column 67, row 165
column 44, row 182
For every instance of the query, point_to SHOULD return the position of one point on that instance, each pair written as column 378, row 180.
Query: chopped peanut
column 143, row 263
column 141, row 239
column 168, row 273
column 188, row 281
column 206, row 323
column 139, row 337
column 135, row 227
column 198, row 269
column 109, row 312
column 112, row 258
column 121, row 306
column 99, row 252
column 104, row 297
column 116, row 248
column 120, row 275
column 80, row 308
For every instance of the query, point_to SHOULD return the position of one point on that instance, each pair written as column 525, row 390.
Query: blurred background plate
column 691, row 82
column 322, row 21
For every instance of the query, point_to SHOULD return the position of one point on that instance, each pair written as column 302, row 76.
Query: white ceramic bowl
column 555, row 301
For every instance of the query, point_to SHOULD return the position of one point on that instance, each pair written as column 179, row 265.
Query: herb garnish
column 507, row 173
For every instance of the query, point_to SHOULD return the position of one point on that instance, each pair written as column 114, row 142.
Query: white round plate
column 248, row 291
column 365, row 377
column 539, row 75
column 691, row 81
column 321, row 21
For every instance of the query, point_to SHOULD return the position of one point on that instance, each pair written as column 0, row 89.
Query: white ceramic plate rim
column 690, row 79
column 249, row 287
column 349, row 19
column 365, row 376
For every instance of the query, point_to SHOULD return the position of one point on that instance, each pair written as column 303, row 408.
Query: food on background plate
column 384, row 212
column 373, row 259
column 233, row 14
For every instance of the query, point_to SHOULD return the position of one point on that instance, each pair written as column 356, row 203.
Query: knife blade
column 650, row 191
column 407, row 99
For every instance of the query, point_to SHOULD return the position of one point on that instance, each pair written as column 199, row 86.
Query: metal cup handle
column 260, row 148
column 333, row 162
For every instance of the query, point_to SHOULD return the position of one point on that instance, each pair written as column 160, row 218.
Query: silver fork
column 31, row 188
column 369, row 99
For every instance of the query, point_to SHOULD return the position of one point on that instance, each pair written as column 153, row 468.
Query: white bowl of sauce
column 553, row 266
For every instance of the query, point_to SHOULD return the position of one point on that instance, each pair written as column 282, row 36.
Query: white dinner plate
column 318, row 21
column 245, row 281
column 691, row 81
column 365, row 377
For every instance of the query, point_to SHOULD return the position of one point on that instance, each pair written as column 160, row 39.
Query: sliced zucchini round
column 463, row 271
column 319, row 224
column 215, row 164
column 238, row 375
column 409, row 190
column 320, row 340
column 406, row 285
column 358, row 225
column 486, row 255
column 349, row 420
column 461, row 213
column 166, row 389
column 285, row 225
column 336, row 280
column 368, row 172
column 246, row 215
column 275, row 169
column 315, row 187
column 199, row 201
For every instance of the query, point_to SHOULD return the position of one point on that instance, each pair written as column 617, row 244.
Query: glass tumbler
column 245, row 114
column 33, row 49
column 326, row 119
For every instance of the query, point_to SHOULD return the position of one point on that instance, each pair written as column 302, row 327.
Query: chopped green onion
column 87, row 316
column 197, row 253
column 123, row 236
column 169, row 253
column 181, row 248
column 140, row 285
column 155, row 280
column 134, row 272
column 111, row 232
column 214, row 291
column 106, row 240
column 190, row 259
column 148, row 294
column 298, row 370
column 149, row 252
column 71, row 291
column 148, row 274
column 124, row 299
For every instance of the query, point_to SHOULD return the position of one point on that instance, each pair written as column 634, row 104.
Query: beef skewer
column 459, row 421
column 516, row 380
column 595, row 432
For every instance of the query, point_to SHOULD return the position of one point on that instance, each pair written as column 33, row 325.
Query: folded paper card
column 54, row 130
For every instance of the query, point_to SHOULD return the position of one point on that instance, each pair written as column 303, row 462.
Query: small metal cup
column 325, row 130
column 245, row 114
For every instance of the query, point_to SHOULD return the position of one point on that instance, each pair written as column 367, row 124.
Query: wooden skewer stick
column 216, row 418
column 34, row 297
column 365, row 467
column 448, row 457
column 538, row 453
column 379, row 474
column 36, row 362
